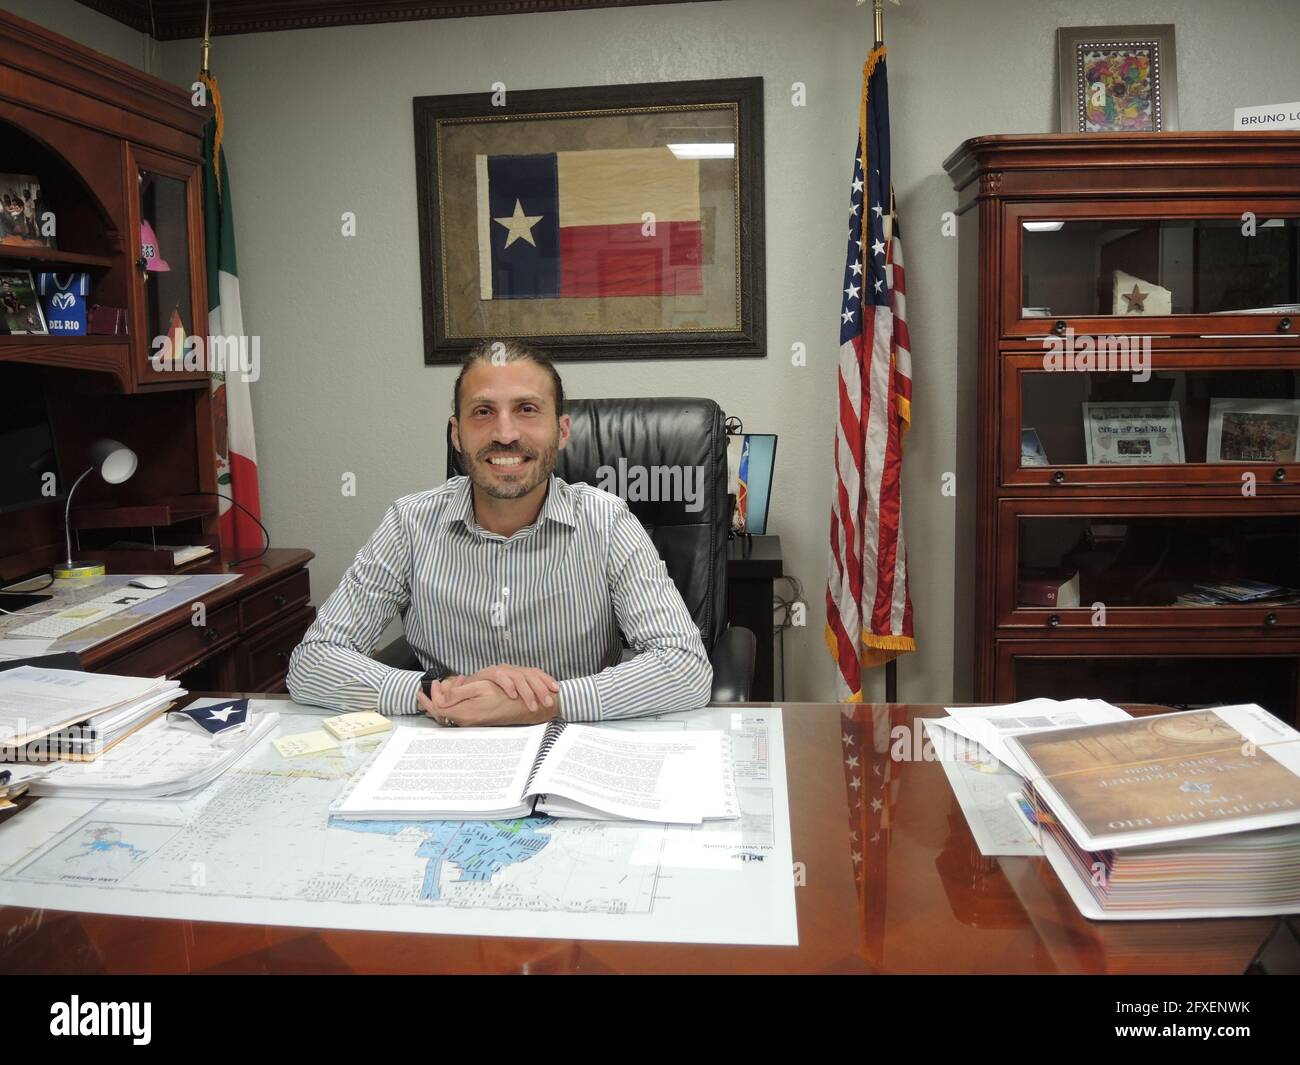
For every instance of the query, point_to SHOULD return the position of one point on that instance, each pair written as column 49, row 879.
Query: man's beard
column 480, row 470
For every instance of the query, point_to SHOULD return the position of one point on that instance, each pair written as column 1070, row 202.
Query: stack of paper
column 971, row 747
column 181, row 553
column 50, row 714
column 992, row 726
column 1193, row 814
column 157, row 762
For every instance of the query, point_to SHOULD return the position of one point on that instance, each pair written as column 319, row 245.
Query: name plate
column 1267, row 116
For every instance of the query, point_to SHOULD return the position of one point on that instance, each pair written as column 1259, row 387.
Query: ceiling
column 170, row 20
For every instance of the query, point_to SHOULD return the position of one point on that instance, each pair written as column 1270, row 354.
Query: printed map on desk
column 181, row 589
column 255, row 847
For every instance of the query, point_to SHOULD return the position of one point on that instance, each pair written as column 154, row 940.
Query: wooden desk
column 898, row 889
column 252, row 626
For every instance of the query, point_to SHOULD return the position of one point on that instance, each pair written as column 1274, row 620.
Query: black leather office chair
column 693, row 543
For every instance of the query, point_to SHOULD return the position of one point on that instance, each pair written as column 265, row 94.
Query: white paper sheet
column 990, row 726
column 980, row 783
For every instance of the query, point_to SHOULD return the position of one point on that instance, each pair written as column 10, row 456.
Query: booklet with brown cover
column 1168, row 777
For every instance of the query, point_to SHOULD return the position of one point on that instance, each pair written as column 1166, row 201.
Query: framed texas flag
column 614, row 222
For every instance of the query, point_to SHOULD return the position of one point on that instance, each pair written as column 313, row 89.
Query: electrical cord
column 265, row 533
column 785, row 609
column 28, row 591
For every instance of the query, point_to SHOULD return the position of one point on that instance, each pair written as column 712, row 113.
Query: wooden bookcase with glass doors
column 1129, row 377
column 116, row 156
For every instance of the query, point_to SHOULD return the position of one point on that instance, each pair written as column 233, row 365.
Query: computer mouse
column 148, row 581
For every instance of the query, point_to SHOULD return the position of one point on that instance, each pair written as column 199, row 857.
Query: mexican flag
column 232, row 404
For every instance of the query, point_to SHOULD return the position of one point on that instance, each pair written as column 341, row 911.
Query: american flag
column 868, row 609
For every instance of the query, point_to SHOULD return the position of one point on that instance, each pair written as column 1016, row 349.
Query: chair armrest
column 732, row 659
column 398, row 654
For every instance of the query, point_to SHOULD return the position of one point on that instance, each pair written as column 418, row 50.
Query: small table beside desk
column 896, row 888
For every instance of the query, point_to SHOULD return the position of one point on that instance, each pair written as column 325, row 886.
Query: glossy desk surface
column 893, row 883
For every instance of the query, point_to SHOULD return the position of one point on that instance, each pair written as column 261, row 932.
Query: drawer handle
column 1054, row 621
column 1059, row 327
column 1279, row 474
column 1270, row 619
column 1284, row 326
column 283, row 656
column 211, row 633
column 279, row 599
column 1058, row 477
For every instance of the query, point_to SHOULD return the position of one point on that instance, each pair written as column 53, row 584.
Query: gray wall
column 318, row 122
column 89, row 28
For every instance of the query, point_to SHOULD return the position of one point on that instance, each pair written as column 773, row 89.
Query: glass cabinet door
column 1212, row 673
column 1142, row 267
column 1232, row 420
column 1225, row 564
column 171, row 309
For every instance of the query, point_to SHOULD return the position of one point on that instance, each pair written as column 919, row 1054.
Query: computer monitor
column 750, row 461
column 27, row 456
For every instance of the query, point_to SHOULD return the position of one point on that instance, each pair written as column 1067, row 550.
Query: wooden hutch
column 112, row 147
column 1150, row 497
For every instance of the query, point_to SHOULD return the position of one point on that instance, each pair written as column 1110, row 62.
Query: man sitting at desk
column 512, row 584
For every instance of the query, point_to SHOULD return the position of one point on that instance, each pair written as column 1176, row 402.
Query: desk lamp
column 115, row 463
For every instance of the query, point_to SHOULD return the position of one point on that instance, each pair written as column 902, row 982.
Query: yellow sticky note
column 305, row 743
column 354, row 726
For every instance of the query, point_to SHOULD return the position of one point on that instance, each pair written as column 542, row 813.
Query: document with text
column 565, row 770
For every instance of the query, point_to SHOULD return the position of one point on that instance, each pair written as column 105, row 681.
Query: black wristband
column 430, row 675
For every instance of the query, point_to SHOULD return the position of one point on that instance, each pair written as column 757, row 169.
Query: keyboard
column 72, row 618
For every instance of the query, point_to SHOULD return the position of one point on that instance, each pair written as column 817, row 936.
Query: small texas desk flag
column 216, row 719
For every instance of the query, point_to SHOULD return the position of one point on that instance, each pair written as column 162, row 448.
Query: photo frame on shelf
column 1032, row 452
column 1117, row 79
column 1253, row 430
column 22, row 209
column 610, row 222
column 20, row 307
column 1133, row 434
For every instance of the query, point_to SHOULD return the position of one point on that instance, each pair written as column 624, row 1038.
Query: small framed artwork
column 611, row 222
column 1117, row 79
column 1133, row 434
column 1253, row 430
column 1032, row 452
column 20, row 307
column 22, row 211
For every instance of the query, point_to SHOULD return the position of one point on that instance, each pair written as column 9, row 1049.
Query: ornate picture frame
column 606, row 222
column 1118, row 79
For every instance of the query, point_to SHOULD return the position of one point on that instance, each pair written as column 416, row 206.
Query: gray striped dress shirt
column 553, row 596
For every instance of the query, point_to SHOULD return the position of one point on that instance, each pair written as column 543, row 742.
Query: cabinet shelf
column 20, row 253
column 139, row 515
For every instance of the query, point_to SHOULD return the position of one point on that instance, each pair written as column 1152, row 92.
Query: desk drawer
column 182, row 648
column 278, row 598
column 264, row 658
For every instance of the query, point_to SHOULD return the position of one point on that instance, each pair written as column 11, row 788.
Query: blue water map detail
column 479, row 849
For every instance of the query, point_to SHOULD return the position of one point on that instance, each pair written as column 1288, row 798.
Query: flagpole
column 206, row 46
column 891, row 667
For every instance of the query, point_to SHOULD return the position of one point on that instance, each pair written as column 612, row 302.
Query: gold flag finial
column 206, row 46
